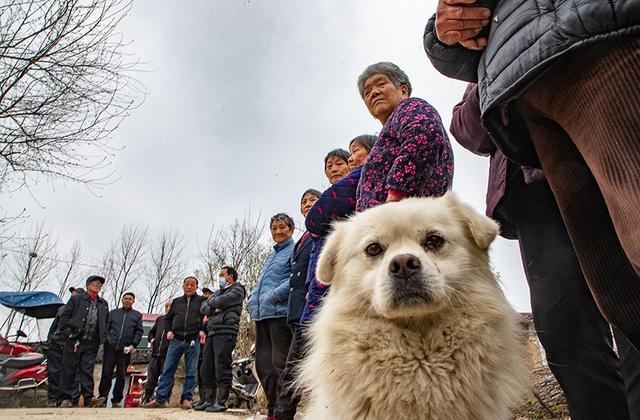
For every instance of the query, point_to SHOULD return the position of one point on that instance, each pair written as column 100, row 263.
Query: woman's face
column 382, row 97
column 307, row 202
column 336, row 169
column 357, row 155
column 280, row 231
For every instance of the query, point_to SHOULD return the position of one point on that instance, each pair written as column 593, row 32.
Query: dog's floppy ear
column 325, row 270
column 483, row 230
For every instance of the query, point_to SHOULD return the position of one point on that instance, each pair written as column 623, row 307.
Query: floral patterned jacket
column 412, row 157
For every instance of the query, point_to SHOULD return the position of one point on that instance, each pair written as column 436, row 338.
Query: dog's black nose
column 404, row 266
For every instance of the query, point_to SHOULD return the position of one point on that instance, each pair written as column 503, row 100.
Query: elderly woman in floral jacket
column 268, row 308
column 413, row 155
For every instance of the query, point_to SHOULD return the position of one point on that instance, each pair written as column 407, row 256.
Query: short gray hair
column 393, row 72
column 283, row 217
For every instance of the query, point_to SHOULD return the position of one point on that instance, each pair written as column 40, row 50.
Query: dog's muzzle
column 407, row 281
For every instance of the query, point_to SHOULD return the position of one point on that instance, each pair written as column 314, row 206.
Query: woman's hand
column 458, row 21
column 170, row 335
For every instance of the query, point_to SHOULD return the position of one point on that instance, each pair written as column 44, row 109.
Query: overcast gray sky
column 244, row 100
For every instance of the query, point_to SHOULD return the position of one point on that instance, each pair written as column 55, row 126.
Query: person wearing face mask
column 223, row 311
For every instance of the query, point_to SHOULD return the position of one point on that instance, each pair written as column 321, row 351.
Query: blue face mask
column 222, row 283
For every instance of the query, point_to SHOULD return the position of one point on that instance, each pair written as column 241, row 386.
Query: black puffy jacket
column 184, row 319
column 74, row 316
column 526, row 37
column 124, row 328
column 298, row 278
column 223, row 310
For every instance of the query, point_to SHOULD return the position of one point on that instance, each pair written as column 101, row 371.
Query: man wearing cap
column 83, row 325
column 124, row 332
column 55, row 345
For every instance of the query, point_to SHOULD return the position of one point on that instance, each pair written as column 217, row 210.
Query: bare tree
column 34, row 262
column 168, row 266
column 123, row 262
column 70, row 268
column 240, row 245
column 65, row 85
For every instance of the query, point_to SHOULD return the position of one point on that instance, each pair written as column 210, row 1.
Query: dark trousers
column 575, row 336
column 273, row 338
column 583, row 117
column 80, row 359
column 216, row 361
column 54, row 371
column 111, row 359
column 199, row 372
column 289, row 397
column 154, row 370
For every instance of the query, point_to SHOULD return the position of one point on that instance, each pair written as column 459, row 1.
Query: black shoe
column 216, row 408
column 52, row 403
column 201, row 406
column 208, row 401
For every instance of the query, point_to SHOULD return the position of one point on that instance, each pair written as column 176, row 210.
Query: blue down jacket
column 269, row 298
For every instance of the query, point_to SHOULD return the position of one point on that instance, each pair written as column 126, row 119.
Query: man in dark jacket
column 569, row 325
column 55, row 346
column 159, row 347
column 124, row 332
column 223, row 310
column 83, row 324
column 183, row 327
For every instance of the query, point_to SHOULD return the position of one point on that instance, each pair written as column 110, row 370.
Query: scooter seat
column 22, row 361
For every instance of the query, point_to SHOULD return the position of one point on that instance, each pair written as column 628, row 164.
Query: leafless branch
column 167, row 268
column 65, row 86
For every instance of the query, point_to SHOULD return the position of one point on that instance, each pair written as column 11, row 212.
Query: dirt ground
column 121, row 413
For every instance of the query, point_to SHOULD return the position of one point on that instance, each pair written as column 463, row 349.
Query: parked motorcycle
column 244, row 383
column 22, row 369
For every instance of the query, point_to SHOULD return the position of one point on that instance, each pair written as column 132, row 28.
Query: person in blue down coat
column 268, row 308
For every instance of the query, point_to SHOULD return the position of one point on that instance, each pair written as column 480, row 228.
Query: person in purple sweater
column 575, row 336
column 413, row 156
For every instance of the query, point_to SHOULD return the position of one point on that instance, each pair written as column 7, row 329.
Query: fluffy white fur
column 455, row 351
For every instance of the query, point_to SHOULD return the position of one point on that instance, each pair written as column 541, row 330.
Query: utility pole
column 25, row 286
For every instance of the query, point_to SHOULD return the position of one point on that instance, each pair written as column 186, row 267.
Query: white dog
column 415, row 325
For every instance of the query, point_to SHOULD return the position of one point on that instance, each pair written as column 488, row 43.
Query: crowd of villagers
column 562, row 138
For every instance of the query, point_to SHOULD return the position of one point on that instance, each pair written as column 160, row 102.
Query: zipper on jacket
column 121, row 328
column 185, row 317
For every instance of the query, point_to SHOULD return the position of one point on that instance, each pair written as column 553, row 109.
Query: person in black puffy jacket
column 558, row 85
column 223, row 311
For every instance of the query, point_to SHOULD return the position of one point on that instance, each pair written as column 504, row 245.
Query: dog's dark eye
column 433, row 242
column 373, row 249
